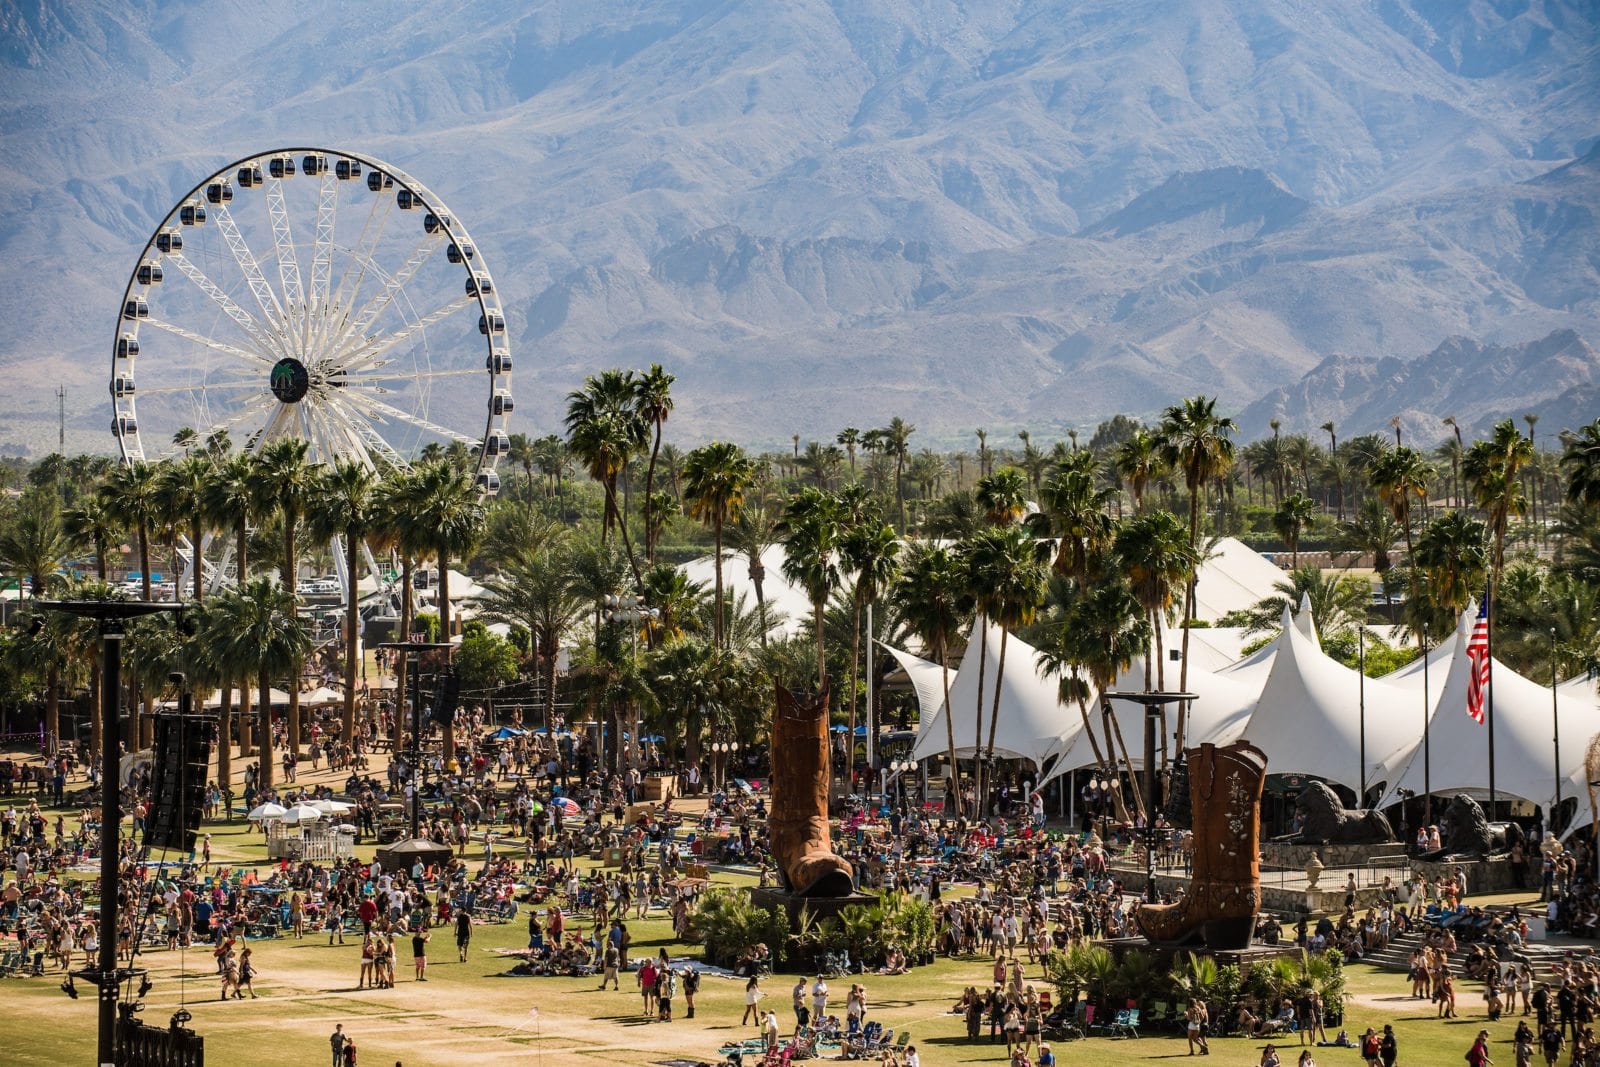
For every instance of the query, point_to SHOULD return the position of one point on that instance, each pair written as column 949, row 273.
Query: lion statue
column 1467, row 832
column 1326, row 821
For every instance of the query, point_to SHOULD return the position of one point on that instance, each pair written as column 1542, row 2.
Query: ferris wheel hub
column 290, row 380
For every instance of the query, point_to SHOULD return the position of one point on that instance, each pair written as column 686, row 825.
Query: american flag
column 1478, row 658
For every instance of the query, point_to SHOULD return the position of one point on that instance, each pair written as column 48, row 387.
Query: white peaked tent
column 927, row 679
column 788, row 607
column 1308, row 719
column 1232, row 578
column 1218, row 715
column 1031, row 725
column 1524, row 734
column 1254, row 668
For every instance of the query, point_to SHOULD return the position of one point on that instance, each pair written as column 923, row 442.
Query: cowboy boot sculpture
column 1220, row 906
column 798, row 824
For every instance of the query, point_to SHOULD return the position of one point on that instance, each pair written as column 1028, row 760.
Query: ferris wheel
column 289, row 318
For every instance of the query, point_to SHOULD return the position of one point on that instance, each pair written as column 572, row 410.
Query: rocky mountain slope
column 819, row 212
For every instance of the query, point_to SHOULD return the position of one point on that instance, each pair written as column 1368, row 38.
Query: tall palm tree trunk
column 141, row 728
column 994, row 718
column 649, row 491
column 622, row 527
column 855, row 657
column 448, row 726
column 352, row 618
column 292, row 738
column 52, row 703
column 199, row 558
column 716, row 568
column 397, row 728
column 264, row 683
column 551, row 650
column 950, row 735
column 241, row 537
column 225, row 741
column 1114, row 729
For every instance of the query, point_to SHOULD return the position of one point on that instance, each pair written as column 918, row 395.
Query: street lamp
column 414, row 649
column 112, row 615
column 1153, row 703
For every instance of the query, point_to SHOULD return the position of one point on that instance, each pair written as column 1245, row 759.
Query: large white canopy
column 1233, row 577
column 1524, row 735
column 1031, row 724
column 1309, row 720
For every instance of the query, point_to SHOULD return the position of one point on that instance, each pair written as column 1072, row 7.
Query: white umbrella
column 330, row 807
column 266, row 811
column 301, row 813
column 345, row 828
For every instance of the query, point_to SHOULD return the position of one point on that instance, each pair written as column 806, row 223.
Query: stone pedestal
column 820, row 907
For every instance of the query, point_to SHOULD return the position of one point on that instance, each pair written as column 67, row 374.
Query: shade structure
column 267, row 812
column 300, row 813
column 330, row 807
column 1524, row 736
column 927, row 680
column 406, row 853
column 1032, row 723
column 1254, row 668
column 322, row 696
column 1308, row 719
column 1233, row 577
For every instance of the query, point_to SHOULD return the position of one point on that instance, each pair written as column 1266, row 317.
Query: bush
column 729, row 925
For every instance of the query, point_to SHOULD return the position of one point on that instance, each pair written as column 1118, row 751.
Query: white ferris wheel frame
column 318, row 321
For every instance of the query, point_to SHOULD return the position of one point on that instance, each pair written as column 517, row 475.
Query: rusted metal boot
column 1220, row 907
column 798, row 823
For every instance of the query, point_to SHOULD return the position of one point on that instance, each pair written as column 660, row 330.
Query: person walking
column 819, row 1000
column 1269, row 1057
column 1370, row 1045
column 610, row 961
column 420, row 936
column 247, row 973
column 691, row 986
column 1478, row 1054
column 337, row 1040
column 1551, row 1042
column 1194, row 1018
column 802, row 1014
column 463, row 934
column 752, row 1000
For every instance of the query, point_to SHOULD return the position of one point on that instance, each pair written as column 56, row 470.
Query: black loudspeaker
column 446, row 697
column 178, row 781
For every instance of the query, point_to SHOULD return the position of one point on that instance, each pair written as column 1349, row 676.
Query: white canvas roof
column 1523, row 736
column 788, row 607
column 927, row 679
column 1031, row 725
column 1308, row 719
column 1233, row 578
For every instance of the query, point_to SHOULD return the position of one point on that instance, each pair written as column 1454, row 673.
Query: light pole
column 112, row 616
column 415, row 649
column 1555, row 717
column 1152, row 703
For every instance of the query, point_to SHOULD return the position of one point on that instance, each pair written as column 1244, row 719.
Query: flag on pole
column 1478, row 661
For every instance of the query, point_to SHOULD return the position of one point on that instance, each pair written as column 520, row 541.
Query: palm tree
column 1138, row 460
column 897, row 440
column 92, row 521
column 1455, row 450
column 35, row 543
column 848, row 439
column 536, row 590
column 1371, row 529
column 1198, row 442
column 1294, row 515
column 1580, row 459
column 398, row 531
column 653, row 401
column 1157, row 559
column 1008, row 579
column 1338, row 602
column 284, row 481
column 1335, row 466
column 811, row 526
column 233, row 501
column 1490, row 468
column 1098, row 630
column 130, row 493
column 257, row 633
column 447, row 509
column 344, row 507
column 753, row 532
column 183, row 484
column 1003, row 495
column 605, row 431
column 1397, row 476
column 870, row 550
column 1453, row 553
column 935, row 603
column 1073, row 510
column 715, row 479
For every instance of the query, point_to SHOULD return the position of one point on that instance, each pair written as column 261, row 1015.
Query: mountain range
column 965, row 212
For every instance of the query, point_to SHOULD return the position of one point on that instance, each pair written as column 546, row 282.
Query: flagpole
column 1488, row 707
column 1427, row 748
